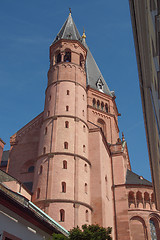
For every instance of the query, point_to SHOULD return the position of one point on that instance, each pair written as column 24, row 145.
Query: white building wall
column 17, row 226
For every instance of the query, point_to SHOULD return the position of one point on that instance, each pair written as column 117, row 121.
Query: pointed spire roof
column 94, row 76
column 68, row 31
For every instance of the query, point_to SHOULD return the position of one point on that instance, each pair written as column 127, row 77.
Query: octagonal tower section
column 62, row 178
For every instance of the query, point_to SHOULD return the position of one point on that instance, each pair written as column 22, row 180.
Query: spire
column 68, row 30
column 94, row 76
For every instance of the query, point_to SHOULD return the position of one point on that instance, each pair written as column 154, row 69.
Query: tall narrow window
column 63, row 187
column 65, row 145
column 45, row 132
column 49, row 99
column 83, row 97
column 48, row 113
column 86, row 188
column 62, row 215
column 84, row 148
column 83, row 112
column 44, row 150
column 87, row 216
column 106, row 107
column 84, row 128
column 66, row 124
column 94, row 102
column 85, row 167
column 41, row 169
column 64, row 164
column 67, row 56
column 38, row 193
column 67, row 92
column 98, row 104
column 81, row 60
column 67, row 108
column 58, row 57
column 102, row 106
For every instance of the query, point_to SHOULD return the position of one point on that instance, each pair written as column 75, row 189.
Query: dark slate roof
column 4, row 177
column 5, row 157
column 69, row 31
column 133, row 178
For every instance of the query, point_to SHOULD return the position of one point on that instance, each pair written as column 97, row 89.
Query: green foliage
column 88, row 232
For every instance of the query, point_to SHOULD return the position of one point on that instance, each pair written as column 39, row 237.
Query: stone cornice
column 64, row 153
column 65, row 201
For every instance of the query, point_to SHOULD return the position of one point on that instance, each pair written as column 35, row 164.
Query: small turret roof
column 94, row 76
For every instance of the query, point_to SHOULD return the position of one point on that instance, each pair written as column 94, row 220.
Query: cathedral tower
column 60, row 184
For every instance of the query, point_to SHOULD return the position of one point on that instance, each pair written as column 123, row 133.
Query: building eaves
column 28, row 209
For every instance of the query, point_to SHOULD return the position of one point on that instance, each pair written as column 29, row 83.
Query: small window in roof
column 100, row 84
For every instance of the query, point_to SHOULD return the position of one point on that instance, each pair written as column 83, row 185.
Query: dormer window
column 100, row 84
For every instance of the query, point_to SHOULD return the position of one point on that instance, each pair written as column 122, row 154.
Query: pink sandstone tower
column 71, row 156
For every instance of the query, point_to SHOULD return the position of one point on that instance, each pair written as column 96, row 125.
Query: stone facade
column 71, row 156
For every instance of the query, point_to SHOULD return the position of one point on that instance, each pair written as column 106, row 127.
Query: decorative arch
column 138, row 228
column 81, row 60
column 94, row 102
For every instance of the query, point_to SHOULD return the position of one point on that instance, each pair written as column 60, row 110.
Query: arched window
column 64, row 164
column 83, row 112
column 85, row 167
column 81, row 60
column 87, row 216
column 98, row 104
column 38, row 193
column 65, row 145
column 66, row 124
column 146, row 200
column 86, row 188
column 154, row 229
column 67, row 92
column 44, row 150
column 94, row 102
column 102, row 106
column 62, row 215
column 41, row 169
column 67, row 108
column 48, row 113
column 58, row 58
column 49, row 99
column 45, row 132
column 67, row 56
column 84, row 148
column 139, row 199
column 83, row 97
column 84, row 128
column 102, row 125
column 63, row 187
column 106, row 107
column 31, row 169
column 131, row 199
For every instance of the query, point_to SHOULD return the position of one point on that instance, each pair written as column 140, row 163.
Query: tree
column 88, row 232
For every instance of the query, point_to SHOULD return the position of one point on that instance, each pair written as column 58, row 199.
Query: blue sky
column 27, row 28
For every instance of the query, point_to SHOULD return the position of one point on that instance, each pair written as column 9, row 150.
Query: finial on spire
column 84, row 35
column 123, row 139
column 70, row 11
